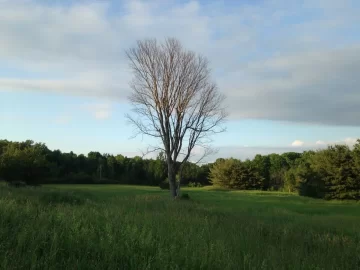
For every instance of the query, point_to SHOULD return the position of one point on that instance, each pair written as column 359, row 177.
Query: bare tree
column 174, row 101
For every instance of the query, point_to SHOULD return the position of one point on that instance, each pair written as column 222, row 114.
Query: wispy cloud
column 63, row 119
column 348, row 141
column 320, row 143
column 12, row 117
column 99, row 111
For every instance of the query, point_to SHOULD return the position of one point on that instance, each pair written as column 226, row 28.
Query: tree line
column 332, row 173
column 33, row 163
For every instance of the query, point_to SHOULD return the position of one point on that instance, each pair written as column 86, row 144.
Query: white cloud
column 102, row 114
column 100, row 111
column 297, row 143
column 300, row 70
column 350, row 141
column 87, row 86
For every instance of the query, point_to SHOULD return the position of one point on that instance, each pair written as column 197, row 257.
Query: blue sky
column 289, row 70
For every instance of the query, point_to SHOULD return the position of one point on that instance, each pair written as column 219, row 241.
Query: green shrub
column 191, row 184
column 17, row 184
column 165, row 184
column 235, row 174
column 194, row 184
column 184, row 196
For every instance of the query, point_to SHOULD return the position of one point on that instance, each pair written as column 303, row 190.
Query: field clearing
column 136, row 227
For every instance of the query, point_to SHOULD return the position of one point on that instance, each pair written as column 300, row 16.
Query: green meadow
column 136, row 227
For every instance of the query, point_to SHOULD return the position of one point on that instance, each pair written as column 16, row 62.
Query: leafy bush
column 17, row 184
column 165, row 184
column 191, row 184
column 184, row 196
column 194, row 184
column 235, row 174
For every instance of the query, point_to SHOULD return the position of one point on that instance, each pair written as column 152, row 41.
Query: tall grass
column 114, row 227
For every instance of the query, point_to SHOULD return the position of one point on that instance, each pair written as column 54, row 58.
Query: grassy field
column 129, row 227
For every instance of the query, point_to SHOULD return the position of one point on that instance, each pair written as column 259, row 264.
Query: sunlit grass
column 134, row 227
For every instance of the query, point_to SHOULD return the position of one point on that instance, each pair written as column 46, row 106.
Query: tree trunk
column 172, row 179
column 178, row 188
column 180, row 178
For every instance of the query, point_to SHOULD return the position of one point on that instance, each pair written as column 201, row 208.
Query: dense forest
column 35, row 164
column 332, row 173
